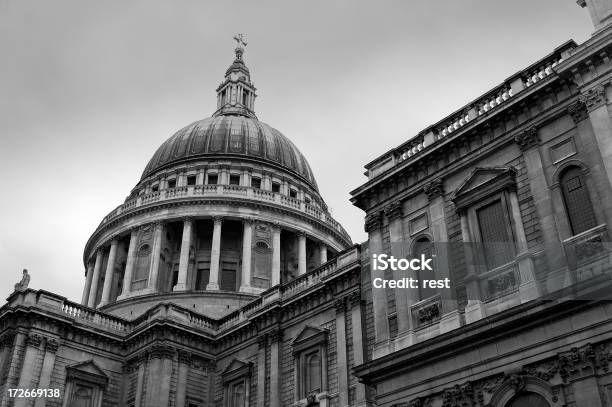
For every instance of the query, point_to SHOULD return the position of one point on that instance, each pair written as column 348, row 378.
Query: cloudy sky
column 90, row 89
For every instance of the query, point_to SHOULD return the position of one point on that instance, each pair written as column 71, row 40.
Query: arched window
column 577, row 201
column 238, row 395
column 312, row 383
column 528, row 400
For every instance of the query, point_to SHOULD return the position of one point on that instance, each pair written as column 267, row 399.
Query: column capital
column 187, row 219
column 158, row 224
column 7, row 339
column 373, row 221
column 134, row 230
column 393, row 210
column 33, row 340
column 276, row 226
column 114, row 240
column 276, row 335
column 594, row 97
column 340, row 305
column 184, row 356
column 578, row 111
column 433, row 189
column 248, row 221
column 262, row 341
column 161, row 352
column 301, row 234
column 355, row 298
column 51, row 345
column 217, row 219
column 527, row 139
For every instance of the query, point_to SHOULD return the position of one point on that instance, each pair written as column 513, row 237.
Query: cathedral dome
column 231, row 136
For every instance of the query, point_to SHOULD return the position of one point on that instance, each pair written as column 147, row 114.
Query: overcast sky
column 90, row 89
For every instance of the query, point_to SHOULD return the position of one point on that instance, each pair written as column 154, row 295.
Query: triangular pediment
column 235, row 364
column 482, row 183
column 308, row 332
column 480, row 176
column 89, row 367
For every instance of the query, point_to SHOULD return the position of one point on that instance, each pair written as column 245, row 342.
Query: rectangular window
column 275, row 187
column 293, row 193
column 495, row 234
column 155, row 188
column 212, row 179
column 172, row 183
column 256, row 182
column 191, row 180
column 234, row 180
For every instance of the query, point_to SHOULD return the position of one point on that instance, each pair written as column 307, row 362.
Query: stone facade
column 512, row 194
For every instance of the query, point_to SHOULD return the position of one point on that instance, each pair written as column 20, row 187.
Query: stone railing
column 474, row 110
column 588, row 253
column 84, row 315
column 233, row 191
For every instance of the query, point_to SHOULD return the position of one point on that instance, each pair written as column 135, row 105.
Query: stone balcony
column 220, row 192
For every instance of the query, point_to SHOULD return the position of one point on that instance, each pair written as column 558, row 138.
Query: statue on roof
column 25, row 280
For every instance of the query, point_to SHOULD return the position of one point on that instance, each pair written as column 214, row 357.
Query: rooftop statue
column 25, row 280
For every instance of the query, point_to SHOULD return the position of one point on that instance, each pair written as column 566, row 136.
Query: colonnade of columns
column 94, row 269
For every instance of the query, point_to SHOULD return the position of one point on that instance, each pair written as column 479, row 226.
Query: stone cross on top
column 240, row 40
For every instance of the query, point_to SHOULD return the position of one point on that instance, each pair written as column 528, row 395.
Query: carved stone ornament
column 25, row 280
column 34, row 340
column 340, row 305
column 595, row 97
column 355, row 298
column 161, row 352
column 393, row 210
column 373, row 222
column 433, row 189
column 527, row 138
column 51, row 345
column 578, row 111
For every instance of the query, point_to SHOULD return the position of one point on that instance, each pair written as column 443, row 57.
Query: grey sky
column 90, row 89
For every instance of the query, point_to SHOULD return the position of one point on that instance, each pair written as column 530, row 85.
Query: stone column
column 88, row 279
column 51, row 346
column 373, row 226
column 262, row 341
column 140, row 379
column 215, row 252
column 91, row 301
column 181, row 284
column 247, row 235
column 596, row 101
column 155, row 257
column 159, row 376
column 475, row 309
column 110, row 271
column 184, row 359
column 342, row 361
column 450, row 317
column 528, row 288
column 404, row 298
column 276, row 235
column 28, row 367
column 323, row 253
column 129, row 265
column 357, row 323
column 301, row 254
column 542, row 197
column 275, row 367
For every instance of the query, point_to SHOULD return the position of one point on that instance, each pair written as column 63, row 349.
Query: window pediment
column 309, row 337
column 236, row 369
column 87, row 371
column 483, row 182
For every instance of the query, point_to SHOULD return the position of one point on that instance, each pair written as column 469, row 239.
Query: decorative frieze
column 434, row 189
column 595, row 97
column 527, row 139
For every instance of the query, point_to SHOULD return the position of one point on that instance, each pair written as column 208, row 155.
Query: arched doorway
column 528, row 400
